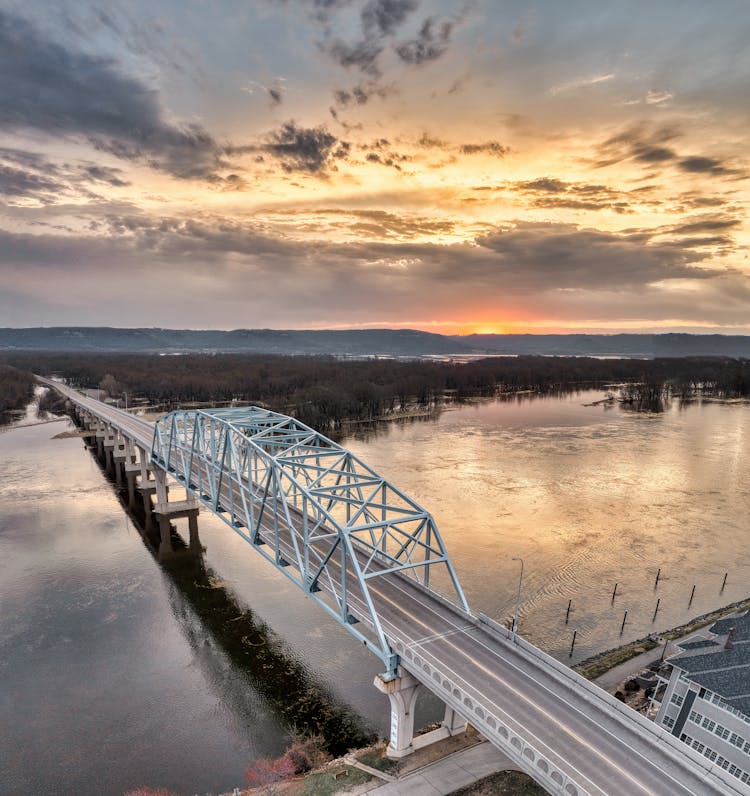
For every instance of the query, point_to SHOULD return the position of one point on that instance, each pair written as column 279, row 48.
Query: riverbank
column 453, row 767
column 594, row 667
column 368, row 770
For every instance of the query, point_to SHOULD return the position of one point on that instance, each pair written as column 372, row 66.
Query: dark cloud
column 544, row 184
column 428, row 141
column 30, row 175
column 703, row 225
column 276, row 95
column 493, row 148
column 429, row 44
column 18, row 183
column 305, row 149
column 49, row 88
column 703, row 165
column 551, row 192
column 385, row 16
column 647, row 146
column 653, row 154
column 362, row 55
column 569, row 257
column 360, row 94
column 105, row 174
column 640, row 143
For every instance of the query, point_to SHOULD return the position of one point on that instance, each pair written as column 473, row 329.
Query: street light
column 518, row 598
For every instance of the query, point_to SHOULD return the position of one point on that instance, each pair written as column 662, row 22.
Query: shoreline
column 358, row 777
column 597, row 665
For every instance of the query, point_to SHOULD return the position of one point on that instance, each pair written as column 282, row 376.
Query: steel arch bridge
column 313, row 509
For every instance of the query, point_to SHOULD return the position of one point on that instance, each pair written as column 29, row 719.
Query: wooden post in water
column 567, row 613
column 692, row 594
column 614, row 593
column 622, row 627
column 658, row 575
column 724, row 582
column 573, row 643
column 656, row 610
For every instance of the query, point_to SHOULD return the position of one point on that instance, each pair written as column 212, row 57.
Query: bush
column 632, row 686
column 266, row 771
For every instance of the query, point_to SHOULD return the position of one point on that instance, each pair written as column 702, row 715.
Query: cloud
column 493, row 148
column 429, row 44
column 21, row 184
column 51, row 89
column 648, row 146
column 581, row 82
column 363, row 55
column 391, row 265
column 306, row 149
column 386, row 16
column 30, row 175
column 704, row 165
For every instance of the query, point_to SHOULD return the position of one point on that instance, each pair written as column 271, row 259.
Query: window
column 677, row 699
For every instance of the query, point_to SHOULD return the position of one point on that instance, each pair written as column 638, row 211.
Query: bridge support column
column 131, row 474
column 402, row 695
column 119, row 457
column 166, row 511
column 453, row 722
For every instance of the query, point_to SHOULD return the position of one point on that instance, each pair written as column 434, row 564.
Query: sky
column 470, row 166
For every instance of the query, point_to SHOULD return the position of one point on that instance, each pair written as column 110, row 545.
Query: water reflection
column 589, row 493
column 228, row 638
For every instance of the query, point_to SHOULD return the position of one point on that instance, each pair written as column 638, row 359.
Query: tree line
column 16, row 388
column 325, row 392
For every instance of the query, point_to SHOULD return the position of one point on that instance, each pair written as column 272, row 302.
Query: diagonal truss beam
column 313, row 509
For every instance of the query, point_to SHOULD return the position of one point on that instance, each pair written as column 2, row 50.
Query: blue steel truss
column 312, row 508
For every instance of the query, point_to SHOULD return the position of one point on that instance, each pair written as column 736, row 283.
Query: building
column 705, row 701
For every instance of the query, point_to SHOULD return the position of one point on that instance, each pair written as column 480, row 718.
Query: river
column 120, row 672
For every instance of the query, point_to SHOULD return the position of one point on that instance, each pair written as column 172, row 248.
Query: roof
column 723, row 671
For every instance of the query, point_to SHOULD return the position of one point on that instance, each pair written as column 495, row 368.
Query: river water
column 119, row 671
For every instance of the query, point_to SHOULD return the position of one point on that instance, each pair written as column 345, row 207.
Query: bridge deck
column 485, row 676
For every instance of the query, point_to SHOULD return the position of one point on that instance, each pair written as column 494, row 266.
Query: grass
column 706, row 619
column 608, row 660
column 324, row 783
column 503, row 783
column 375, row 758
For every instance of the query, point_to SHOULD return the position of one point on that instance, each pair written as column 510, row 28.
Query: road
column 566, row 720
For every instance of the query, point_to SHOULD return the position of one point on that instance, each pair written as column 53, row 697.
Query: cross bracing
column 316, row 511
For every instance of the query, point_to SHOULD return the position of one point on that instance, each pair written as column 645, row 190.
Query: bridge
column 373, row 560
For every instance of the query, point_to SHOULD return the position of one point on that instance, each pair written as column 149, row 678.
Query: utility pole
column 518, row 598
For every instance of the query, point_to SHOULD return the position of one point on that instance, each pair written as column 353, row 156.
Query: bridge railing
column 598, row 697
column 327, row 520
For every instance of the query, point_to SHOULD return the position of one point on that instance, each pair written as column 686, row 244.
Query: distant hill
column 358, row 342
column 618, row 345
column 367, row 342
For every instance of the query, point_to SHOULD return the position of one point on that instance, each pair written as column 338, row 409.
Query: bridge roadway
column 510, row 689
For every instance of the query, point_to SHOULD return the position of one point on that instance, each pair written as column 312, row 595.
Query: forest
column 16, row 388
column 326, row 392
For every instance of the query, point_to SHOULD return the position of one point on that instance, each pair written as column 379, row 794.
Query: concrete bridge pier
column 100, row 434
column 166, row 511
column 108, row 443
column 119, row 458
column 131, row 476
column 402, row 694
